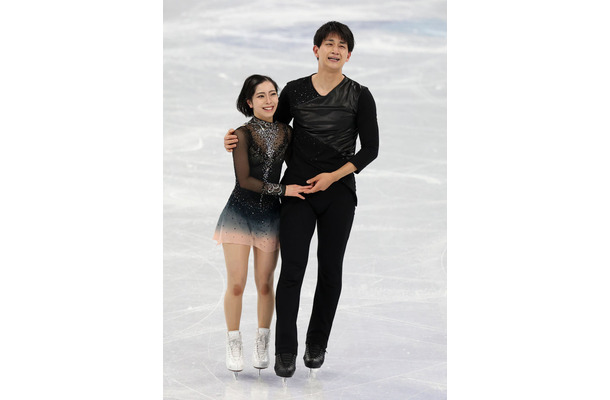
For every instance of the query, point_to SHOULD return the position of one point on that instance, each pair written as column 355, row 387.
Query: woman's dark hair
column 337, row 28
column 247, row 91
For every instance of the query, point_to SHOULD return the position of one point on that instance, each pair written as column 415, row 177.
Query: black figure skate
column 314, row 357
column 285, row 365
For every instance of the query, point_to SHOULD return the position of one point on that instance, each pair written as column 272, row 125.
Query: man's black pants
column 333, row 212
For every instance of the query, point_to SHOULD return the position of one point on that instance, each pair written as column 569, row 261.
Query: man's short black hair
column 337, row 28
column 247, row 91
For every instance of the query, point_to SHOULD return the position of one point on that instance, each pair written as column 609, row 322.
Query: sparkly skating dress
column 252, row 214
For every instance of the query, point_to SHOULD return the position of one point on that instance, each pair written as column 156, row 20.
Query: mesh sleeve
column 242, row 168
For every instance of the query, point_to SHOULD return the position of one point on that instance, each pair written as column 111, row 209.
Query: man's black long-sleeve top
column 325, row 129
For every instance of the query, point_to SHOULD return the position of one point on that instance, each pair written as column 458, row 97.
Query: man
column 330, row 111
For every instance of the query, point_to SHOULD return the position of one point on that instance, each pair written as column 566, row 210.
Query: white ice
column 389, row 339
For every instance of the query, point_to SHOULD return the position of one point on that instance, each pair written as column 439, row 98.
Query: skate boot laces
column 235, row 348
column 261, row 346
column 287, row 359
column 314, row 355
column 314, row 351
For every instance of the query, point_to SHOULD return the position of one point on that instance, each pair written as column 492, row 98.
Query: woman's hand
column 296, row 190
column 230, row 140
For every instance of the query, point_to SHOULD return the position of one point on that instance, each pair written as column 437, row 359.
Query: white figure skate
column 235, row 357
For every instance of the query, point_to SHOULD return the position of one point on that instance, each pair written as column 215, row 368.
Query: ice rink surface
column 389, row 339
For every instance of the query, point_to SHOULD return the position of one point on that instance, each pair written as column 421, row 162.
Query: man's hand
column 230, row 140
column 320, row 182
column 296, row 190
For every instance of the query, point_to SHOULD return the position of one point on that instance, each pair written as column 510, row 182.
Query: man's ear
column 315, row 51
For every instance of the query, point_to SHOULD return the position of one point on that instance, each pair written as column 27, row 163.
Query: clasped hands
column 318, row 183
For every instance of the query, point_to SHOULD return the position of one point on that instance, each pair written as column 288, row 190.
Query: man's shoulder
column 298, row 81
column 360, row 90
column 299, row 91
column 297, row 84
column 355, row 85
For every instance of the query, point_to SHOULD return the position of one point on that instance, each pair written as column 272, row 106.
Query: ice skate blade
column 285, row 382
column 235, row 373
column 313, row 372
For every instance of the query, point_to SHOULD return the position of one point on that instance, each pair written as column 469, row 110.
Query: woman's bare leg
column 264, row 267
column 236, row 259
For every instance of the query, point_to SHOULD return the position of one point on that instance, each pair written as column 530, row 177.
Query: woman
column 251, row 217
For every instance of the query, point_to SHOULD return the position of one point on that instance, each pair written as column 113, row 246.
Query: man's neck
column 325, row 81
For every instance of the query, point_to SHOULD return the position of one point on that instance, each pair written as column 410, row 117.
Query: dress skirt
column 251, row 219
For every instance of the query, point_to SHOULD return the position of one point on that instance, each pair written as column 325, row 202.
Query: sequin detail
column 300, row 91
column 266, row 134
column 252, row 218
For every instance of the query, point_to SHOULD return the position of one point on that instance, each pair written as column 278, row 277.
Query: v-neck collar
column 345, row 78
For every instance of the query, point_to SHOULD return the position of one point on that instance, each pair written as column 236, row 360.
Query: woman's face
column 264, row 101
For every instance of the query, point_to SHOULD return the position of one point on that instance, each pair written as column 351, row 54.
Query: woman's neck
column 266, row 119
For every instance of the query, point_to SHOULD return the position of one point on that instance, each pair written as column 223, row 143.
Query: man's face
column 332, row 53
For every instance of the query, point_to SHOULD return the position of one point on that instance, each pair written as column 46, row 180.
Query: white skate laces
column 260, row 356
column 235, row 358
